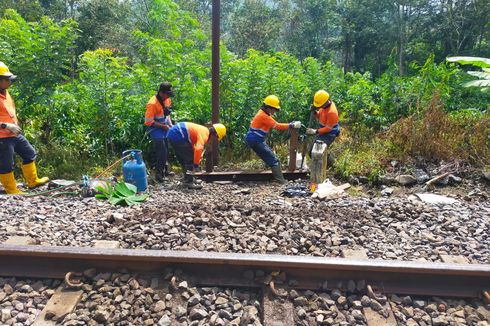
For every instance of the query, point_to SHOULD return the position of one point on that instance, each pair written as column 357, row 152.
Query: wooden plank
column 355, row 253
column 246, row 175
column 19, row 241
column 62, row 302
column 439, row 177
column 454, row 259
column 344, row 186
column 375, row 319
column 106, row 244
column 277, row 312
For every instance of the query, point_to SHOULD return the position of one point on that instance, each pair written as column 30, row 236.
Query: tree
column 254, row 25
column 104, row 24
column 310, row 27
column 30, row 10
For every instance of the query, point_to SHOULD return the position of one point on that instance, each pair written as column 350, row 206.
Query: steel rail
column 228, row 269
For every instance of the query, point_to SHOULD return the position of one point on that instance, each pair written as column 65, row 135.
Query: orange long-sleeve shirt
column 328, row 118
column 7, row 113
column 261, row 124
column 154, row 113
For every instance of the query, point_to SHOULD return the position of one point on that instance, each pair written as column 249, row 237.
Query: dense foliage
column 82, row 87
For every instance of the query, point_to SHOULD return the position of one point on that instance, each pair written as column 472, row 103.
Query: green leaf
column 138, row 198
column 478, row 83
column 116, row 200
column 132, row 187
column 480, row 74
column 129, row 202
column 101, row 196
column 123, row 189
column 475, row 61
column 103, row 190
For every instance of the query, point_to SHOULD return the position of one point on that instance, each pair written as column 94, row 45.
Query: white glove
column 296, row 124
column 13, row 128
column 310, row 131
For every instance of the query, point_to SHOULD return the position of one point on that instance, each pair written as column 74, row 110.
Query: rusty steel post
column 215, row 77
column 293, row 146
column 208, row 155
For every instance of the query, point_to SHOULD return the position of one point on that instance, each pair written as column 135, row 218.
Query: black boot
column 167, row 171
column 189, row 182
column 159, row 175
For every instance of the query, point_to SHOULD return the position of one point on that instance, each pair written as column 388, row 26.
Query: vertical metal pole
column 293, row 146
column 215, row 75
column 208, row 155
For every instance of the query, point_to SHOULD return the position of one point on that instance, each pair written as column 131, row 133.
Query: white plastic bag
column 299, row 158
column 327, row 190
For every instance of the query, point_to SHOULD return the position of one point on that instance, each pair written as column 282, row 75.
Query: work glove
column 13, row 128
column 295, row 124
column 310, row 131
column 167, row 112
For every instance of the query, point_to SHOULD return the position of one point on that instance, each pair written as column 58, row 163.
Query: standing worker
column 326, row 113
column 188, row 140
column 12, row 141
column 260, row 127
column 157, row 119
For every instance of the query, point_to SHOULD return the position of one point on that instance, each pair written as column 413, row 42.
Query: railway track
column 273, row 278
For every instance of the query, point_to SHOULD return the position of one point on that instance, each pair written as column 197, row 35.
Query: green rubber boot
column 277, row 174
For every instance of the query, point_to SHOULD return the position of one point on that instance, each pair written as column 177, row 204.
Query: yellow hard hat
column 321, row 97
column 220, row 130
column 4, row 70
column 272, row 101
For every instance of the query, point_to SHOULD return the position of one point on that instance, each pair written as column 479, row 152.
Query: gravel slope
column 254, row 218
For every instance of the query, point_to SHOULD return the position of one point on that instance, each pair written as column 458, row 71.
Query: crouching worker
column 12, row 141
column 261, row 124
column 188, row 140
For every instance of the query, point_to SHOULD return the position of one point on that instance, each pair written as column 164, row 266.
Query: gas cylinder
column 134, row 169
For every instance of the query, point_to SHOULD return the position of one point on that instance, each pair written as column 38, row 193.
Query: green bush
column 90, row 108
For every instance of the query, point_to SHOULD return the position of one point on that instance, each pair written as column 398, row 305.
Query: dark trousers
column 18, row 144
column 264, row 152
column 185, row 155
column 160, row 146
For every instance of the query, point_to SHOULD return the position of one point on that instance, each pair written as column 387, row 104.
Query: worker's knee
column 24, row 149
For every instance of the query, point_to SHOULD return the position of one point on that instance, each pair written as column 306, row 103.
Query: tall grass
column 431, row 133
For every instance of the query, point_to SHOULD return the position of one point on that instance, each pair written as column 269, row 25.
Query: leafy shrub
column 94, row 111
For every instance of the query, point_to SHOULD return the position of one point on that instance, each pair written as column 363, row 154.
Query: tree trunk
column 401, row 57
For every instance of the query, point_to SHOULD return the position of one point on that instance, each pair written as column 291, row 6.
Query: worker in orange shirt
column 189, row 140
column 260, row 126
column 326, row 113
column 12, row 141
column 158, row 122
